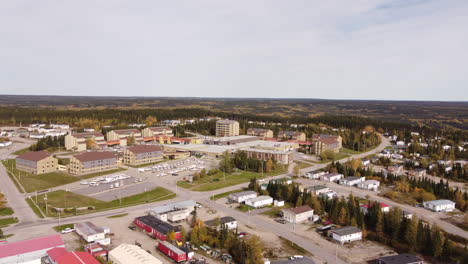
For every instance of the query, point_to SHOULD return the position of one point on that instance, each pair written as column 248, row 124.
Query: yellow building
column 322, row 142
column 156, row 131
column 36, row 162
column 91, row 162
column 260, row 132
column 143, row 154
column 121, row 136
column 77, row 141
column 291, row 135
column 227, row 128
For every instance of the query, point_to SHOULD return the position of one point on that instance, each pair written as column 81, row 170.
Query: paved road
column 324, row 253
column 14, row 198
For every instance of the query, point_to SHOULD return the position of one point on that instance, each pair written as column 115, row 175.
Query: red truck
column 172, row 251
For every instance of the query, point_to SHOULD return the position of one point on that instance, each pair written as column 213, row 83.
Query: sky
column 359, row 49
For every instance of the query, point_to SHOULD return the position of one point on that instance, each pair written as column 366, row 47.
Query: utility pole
column 46, row 208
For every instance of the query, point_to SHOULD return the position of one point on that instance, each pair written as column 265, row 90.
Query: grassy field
column 32, row 183
column 34, row 208
column 221, row 195
column 59, row 228
column 338, row 156
column 217, row 181
column 303, row 165
column 6, row 211
column 117, row 216
column 21, row 151
column 4, row 222
column 63, row 199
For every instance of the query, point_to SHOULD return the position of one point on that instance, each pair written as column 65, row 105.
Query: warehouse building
column 92, row 233
column 36, row 162
column 131, row 254
column 174, row 212
column 156, row 227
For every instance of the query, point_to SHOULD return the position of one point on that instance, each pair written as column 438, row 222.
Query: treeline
column 248, row 251
column 48, row 143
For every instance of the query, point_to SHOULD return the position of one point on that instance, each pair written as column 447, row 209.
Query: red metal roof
column 90, row 156
column 34, row 155
column 77, row 258
column 31, row 245
column 56, row 253
column 382, row 205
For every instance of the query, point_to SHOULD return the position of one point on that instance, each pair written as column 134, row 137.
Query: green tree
column 171, row 236
column 255, row 250
column 226, row 164
column 150, row 120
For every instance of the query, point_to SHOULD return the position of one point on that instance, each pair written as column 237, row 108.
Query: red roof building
column 29, row 250
column 75, row 257
column 56, row 253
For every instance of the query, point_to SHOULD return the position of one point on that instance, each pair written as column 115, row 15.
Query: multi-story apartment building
column 78, row 141
column 292, row 135
column 322, row 142
column 36, row 162
column 260, row 132
column 90, row 162
column 284, row 157
column 227, row 128
column 156, row 131
column 143, row 154
column 121, row 136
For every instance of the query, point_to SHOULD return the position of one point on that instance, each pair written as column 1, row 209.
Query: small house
column 331, row 177
column 346, row 234
column 298, row 214
column 351, row 181
column 260, row 201
column 439, row 205
column 223, row 222
column 372, row 185
column 241, row 197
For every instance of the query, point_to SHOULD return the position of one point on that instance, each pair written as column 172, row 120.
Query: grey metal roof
column 294, row 261
column 347, row 230
column 173, row 206
column 244, row 193
column 440, row 202
column 222, row 220
column 400, row 259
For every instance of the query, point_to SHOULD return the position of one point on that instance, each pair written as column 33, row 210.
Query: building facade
column 143, row 154
column 260, row 132
column 291, row 135
column 36, row 162
column 346, row 234
column 78, row 141
column 439, row 205
column 227, row 128
column 151, row 132
column 91, row 162
column 283, row 157
column 322, row 142
column 122, row 137
column 298, row 214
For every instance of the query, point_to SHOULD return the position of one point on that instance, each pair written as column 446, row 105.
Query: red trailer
column 172, row 251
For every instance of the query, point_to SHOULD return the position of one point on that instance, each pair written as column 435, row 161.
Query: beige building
column 143, row 154
column 260, row 132
column 150, row 132
column 121, row 136
column 227, row 128
column 77, row 141
column 298, row 214
column 91, row 162
column 284, row 157
column 36, row 162
column 291, row 135
column 131, row 254
column 322, row 142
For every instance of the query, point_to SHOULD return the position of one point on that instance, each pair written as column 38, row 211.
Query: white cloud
column 368, row 49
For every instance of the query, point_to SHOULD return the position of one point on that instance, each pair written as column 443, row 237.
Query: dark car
column 281, row 220
column 132, row 227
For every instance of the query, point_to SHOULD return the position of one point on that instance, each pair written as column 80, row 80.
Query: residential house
column 123, row 137
column 227, row 128
column 260, row 201
column 418, row 172
column 372, row 185
column 395, row 169
column 352, row 180
column 323, row 142
column 260, row 132
column 291, row 135
column 91, row 162
column 385, row 208
column 240, row 197
column 404, row 258
column 365, row 162
column 346, row 234
column 224, row 222
column 297, row 214
column 143, row 154
column 439, row 205
column 331, row 177
column 83, row 141
column 314, row 174
column 317, row 189
column 36, row 162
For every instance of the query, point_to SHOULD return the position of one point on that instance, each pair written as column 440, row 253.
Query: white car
column 84, row 182
column 67, row 230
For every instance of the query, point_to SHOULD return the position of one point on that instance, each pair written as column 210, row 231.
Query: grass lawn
column 70, row 200
column 338, row 156
column 4, row 222
column 21, row 151
column 244, row 208
column 6, row 211
column 59, row 228
column 303, row 165
column 33, row 206
column 217, row 181
column 221, row 195
column 117, row 216
column 274, row 212
column 32, row 183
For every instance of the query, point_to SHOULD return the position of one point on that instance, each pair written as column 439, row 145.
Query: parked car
column 132, row 227
column 67, row 230
column 281, row 220
column 242, row 234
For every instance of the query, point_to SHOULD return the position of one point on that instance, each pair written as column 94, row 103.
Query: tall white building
column 227, row 128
